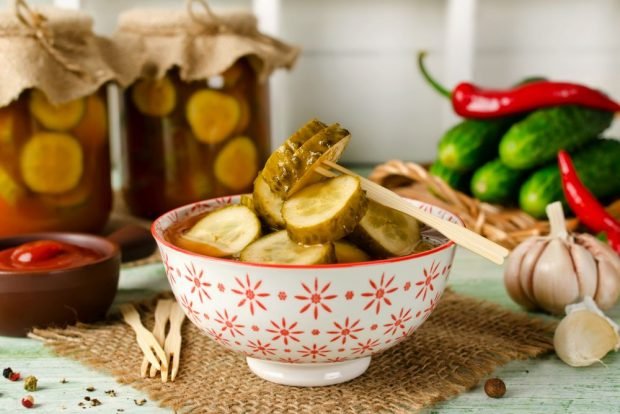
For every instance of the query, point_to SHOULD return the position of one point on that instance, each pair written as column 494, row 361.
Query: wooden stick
column 459, row 234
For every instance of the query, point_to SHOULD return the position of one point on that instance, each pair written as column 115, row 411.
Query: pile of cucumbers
column 512, row 161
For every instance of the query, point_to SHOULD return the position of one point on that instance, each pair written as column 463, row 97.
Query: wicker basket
column 506, row 226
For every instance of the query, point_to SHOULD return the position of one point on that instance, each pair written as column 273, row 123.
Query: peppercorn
column 495, row 388
column 90, row 388
column 30, row 383
column 14, row 376
column 6, row 372
column 28, row 401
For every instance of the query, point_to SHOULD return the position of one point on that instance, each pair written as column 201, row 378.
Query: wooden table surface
column 544, row 385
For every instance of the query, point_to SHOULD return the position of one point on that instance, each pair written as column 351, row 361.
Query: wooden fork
column 162, row 316
column 172, row 345
column 459, row 234
column 146, row 341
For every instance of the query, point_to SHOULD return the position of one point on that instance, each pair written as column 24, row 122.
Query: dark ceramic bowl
column 58, row 297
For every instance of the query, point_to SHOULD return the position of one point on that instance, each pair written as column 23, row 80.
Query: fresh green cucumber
column 536, row 139
column 494, row 182
column 598, row 167
column 455, row 179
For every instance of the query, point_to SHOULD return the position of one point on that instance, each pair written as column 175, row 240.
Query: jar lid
column 199, row 42
column 56, row 51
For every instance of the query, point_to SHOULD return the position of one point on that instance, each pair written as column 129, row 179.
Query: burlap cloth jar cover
column 56, row 51
column 198, row 42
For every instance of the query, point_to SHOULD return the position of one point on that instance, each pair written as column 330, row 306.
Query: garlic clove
column 527, row 267
column 608, row 288
column 585, row 269
column 512, row 274
column 585, row 335
column 554, row 282
column 600, row 251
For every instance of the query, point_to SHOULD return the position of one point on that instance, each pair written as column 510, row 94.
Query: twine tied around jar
column 212, row 22
column 37, row 24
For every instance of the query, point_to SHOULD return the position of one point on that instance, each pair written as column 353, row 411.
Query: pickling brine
column 188, row 141
column 54, row 164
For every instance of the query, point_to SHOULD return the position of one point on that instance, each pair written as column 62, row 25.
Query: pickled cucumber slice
column 277, row 248
column 297, row 171
column 10, row 191
column 6, row 125
column 212, row 115
column 244, row 114
column 268, row 205
column 349, row 253
column 93, row 128
column 325, row 211
column 154, row 97
column 224, row 232
column 276, row 164
column 386, row 232
column 248, row 201
column 51, row 163
column 61, row 117
column 236, row 165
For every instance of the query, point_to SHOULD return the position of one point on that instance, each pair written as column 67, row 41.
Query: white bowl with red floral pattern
column 305, row 325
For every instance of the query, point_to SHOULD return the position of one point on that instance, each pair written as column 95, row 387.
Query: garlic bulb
column 550, row 272
column 585, row 335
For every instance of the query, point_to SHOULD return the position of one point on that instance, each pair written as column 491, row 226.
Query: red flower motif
column 282, row 295
column 398, row 322
column 314, row 351
column 238, row 343
column 373, row 326
column 289, row 360
column 198, row 285
column 287, row 350
column 316, row 298
column 221, row 287
column 255, row 328
column 169, row 268
column 250, row 293
column 284, row 332
column 341, row 349
column 188, row 305
column 432, row 305
column 380, row 293
column 228, row 323
column 315, row 332
column 257, row 347
column 369, row 346
column 345, row 331
column 218, row 336
column 446, row 270
column 337, row 359
column 349, row 295
column 427, row 283
column 206, row 316
column 407, row 286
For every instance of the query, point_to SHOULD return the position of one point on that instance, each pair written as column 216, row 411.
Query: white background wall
column 358, row 61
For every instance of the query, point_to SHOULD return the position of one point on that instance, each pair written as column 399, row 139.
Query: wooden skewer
column 172, row 345
column 459, row 234
column 162, row 316
column 146, row 340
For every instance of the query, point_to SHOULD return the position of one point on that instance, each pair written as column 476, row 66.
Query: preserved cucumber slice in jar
column 276, row 166
column 386, row 232
column 325, row 211
column 278, row 248
column 10, row 191
column 236, row 165
column 212, row 115
column 7, row 127
column 223, row 232
column 268, row 205
column 92, row 130
column 154, row 97
column 298, row 171
column 349, row 253
column 60, row 117
column 52, row 163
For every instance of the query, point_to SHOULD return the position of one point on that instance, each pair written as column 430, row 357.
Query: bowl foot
column 308, row 375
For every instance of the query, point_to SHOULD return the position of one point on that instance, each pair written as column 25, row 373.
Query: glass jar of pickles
column 197, row 119
column 54, row 152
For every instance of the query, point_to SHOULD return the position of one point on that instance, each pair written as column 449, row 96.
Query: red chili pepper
column 471, row 101
column 587, row 208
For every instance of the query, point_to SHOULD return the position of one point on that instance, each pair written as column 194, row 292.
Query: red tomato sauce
column 46, row 255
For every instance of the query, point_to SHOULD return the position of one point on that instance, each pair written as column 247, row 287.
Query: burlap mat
column 462, row 342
